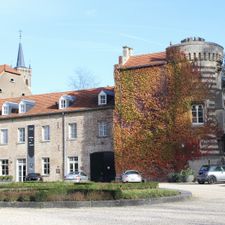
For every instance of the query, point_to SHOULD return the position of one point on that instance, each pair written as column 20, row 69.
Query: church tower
column 25, row 72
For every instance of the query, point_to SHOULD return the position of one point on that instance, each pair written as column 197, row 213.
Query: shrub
column 175, row 177
column 149, row 193
column 40, row 196
column 181, row 176
column 6, row 178
column 62, row 191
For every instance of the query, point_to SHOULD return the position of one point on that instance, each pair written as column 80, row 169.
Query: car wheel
column 212, row 180
column 201, row 182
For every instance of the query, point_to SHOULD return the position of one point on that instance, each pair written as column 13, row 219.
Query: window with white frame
column 72, row 130
column 102, row 98
column 63, row 103
column 4, row 136
column 21, row 135
column 4, row 167
column 46, row 133
column 72, row 164
column 102, row 129
column 197, row 111
column 5, row 110
column 22, row 108
column 45, row 166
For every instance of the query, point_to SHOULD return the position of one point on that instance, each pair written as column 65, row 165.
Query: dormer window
column 22, row 108
column 63, row 104
column 25, row 105
column 102, row 98
column 65, row 101
column 9, row 107
column 5, row 110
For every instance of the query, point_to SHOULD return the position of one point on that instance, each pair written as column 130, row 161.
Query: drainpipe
column 63, row 147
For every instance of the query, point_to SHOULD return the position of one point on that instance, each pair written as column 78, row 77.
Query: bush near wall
column 181, row 176
column 6, row 178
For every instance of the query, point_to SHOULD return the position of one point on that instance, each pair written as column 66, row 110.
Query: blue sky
column 60, row 36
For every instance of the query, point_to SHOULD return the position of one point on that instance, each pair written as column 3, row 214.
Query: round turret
column 197, row 49
column 208, row 56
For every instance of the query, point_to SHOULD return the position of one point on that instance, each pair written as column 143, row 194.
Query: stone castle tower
column 208, row 57
column 15, row 82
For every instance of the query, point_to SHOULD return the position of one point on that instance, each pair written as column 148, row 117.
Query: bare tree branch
column 83, row 79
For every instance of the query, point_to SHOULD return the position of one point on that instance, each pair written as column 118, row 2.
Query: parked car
column 131, row 176
column 211, row 174
column 34, row 177
column 77, row 176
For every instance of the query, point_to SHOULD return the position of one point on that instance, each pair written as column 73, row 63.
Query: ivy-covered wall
column 153, row 132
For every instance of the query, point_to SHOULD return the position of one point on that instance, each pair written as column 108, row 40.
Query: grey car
column 211, row 174
column 77, row 177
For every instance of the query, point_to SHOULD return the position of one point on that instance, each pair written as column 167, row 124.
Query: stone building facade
column 57, row 133
column 208, row 57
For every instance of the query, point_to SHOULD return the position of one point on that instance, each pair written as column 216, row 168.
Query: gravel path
column 206, row 207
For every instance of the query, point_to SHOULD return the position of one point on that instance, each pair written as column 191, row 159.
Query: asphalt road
column 206, row 207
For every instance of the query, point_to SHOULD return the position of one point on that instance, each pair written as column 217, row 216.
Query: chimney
column 127, row 52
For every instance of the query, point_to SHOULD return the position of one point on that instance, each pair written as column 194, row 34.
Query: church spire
column 20, row 59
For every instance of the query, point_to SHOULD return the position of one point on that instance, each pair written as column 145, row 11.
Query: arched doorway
column 102, row 166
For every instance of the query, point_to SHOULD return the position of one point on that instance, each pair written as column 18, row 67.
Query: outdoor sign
column 30, row 149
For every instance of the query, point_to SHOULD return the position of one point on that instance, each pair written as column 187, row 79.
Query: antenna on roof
column 20, row 35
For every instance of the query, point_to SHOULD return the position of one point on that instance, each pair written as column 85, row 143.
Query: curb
column 184, row 195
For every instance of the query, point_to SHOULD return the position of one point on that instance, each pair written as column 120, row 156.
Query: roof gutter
column 55, row 113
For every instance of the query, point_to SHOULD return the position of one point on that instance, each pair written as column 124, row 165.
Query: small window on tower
column 12, row 80
column 27, row 83
column 0, row 90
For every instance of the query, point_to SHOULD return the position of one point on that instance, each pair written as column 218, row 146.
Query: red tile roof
column 153, row 59
column 48, row 103
column 9, row 69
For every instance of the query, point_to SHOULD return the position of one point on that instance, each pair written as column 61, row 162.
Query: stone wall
column 87, row 140
column 13, row 85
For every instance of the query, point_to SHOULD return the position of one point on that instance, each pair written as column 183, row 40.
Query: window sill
column 72, row 139
column 20, row 143
column 45, row 175
column 45, row 141
column 3, row 144
column 102, row 104
column 102, row 136
column 197, row 124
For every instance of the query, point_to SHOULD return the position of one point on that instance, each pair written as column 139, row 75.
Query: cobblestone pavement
column 206, row 207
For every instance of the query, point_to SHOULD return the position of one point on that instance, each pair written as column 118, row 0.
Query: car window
column 218, row 168
column 132, row 172
column 204, row 168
